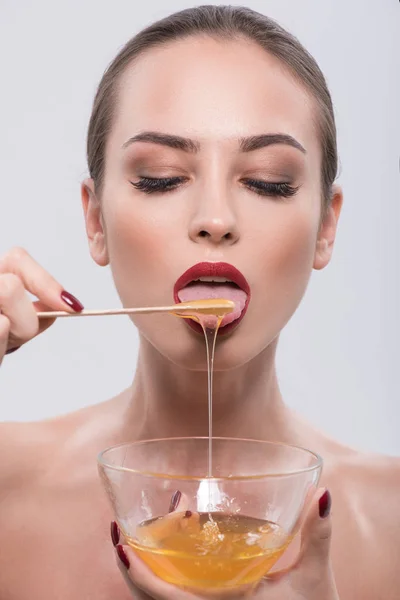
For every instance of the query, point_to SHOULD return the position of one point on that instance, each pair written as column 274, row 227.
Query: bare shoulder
column 365, row 492
column 379, row 480
column 23, row 447
column 27, row 448
column 379, row 473
column 30, row 449
column 369, row 484
column 361, row 470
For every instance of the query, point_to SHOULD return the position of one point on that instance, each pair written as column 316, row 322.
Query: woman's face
column 216, row 207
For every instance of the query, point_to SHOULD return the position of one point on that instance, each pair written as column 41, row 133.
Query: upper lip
column 211, row 269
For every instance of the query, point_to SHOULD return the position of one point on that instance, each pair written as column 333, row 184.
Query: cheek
column 285, row 266
column 292, row 249
column 139, row 237
column 290, row 264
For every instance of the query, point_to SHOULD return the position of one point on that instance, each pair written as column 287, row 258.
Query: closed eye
column 151, row 185
column 268, row 188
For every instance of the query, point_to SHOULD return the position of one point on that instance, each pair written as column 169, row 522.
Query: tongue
column 202, row 291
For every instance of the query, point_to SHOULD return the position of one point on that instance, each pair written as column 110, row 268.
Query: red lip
column 213, row 269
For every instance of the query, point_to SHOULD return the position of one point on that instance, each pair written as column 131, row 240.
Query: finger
column 138, row 575
column 43, row 323
column 146, row 585
column 142, row 577
column 317, row 531
column 4, row 333
column 17, row 307
column 136, row 592
column 291, row 555
column 38, row 281
column 277, row 575
column 179, row 502
column 117, row 538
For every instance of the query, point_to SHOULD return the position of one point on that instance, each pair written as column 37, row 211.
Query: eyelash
column 152, row 185
column 268, row 188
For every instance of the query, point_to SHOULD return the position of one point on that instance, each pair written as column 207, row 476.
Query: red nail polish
column 188, row 514
column 71, row 301
column 122, row 556
column 325, row 503
column 176, row 498
column 115, row 533
column 11, row 350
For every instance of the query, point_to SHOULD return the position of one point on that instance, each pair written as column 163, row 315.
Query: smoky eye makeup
column 275, row 167
column 153, row 165
column 152, row 170
column 274, row 189
column 261, row 187
column 150, row 185
column 273, row 174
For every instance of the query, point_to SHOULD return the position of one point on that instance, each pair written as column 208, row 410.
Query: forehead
column 213, row 90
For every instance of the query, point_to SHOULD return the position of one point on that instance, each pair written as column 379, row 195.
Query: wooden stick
column 217, row 307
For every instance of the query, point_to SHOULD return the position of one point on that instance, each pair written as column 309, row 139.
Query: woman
column 211, row 142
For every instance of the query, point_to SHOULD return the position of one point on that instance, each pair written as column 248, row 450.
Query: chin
column 186, row 348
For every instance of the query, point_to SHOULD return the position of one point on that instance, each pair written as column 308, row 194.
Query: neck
column 166, row 400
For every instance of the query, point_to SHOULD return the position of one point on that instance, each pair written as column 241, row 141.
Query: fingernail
column 122, row 556
column 176, row 498
column 11, row 350
column 188, row 514
column 115, row 533
column 71, row 301
column 325, row 503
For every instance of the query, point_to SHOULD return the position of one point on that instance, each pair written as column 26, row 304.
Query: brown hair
column 221, row 22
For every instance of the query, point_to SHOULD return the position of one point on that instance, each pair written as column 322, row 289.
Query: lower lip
column 222, row 330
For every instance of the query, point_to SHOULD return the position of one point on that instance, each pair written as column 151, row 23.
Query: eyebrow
column 247, row 144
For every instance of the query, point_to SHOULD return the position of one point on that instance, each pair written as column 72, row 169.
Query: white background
column 338, row 358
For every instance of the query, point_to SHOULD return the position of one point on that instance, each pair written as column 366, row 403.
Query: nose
column 214, row 222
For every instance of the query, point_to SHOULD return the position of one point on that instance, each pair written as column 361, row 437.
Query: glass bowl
column 209, row 533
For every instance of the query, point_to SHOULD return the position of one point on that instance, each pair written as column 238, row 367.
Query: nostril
column 216, row 236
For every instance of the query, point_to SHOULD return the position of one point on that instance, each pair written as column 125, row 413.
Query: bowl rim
column 103, row 464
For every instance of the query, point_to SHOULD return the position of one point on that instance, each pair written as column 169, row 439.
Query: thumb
column 317, row 530
column 43, row 323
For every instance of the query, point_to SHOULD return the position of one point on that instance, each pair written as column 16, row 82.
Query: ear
column 327, row 230
column 94, row 223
